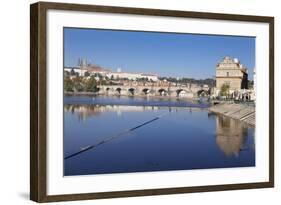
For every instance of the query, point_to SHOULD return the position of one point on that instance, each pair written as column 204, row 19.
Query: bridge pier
column 180, row 92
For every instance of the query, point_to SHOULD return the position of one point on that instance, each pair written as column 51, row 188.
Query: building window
column 227, row 74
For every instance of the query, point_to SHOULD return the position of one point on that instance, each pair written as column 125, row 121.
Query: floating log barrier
column 84, row 149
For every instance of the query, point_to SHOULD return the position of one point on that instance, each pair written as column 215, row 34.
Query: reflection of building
column 231, row 135
column 83, row 111
column 86, row 111
column 231, row 72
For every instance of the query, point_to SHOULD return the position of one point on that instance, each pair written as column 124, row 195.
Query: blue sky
column 166, row 54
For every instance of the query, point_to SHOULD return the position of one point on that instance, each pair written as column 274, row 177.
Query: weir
column 241, row 112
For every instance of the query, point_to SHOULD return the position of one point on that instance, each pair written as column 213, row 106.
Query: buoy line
column 84, row 149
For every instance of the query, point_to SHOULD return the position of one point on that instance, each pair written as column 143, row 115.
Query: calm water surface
column 182, row 135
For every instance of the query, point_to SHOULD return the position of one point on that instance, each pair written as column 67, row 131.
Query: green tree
column 78, row 83
column 103, row 82
column 225, row 90
column 86, row 74
column 66, row 73
column 68, row 84
column 250, row 84
column 98, row 75
column 91, row 84
column 72, row 72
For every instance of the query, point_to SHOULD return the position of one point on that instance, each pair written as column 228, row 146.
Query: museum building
column 232, row 73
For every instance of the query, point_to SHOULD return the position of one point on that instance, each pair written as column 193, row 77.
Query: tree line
column 208, row 81
column 76, row 83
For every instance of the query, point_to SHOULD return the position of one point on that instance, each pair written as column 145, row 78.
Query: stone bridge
column 172, row 91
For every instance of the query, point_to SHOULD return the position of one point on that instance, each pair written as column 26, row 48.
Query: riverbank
column 132, row 101
column 241, row 112
column 138, row 96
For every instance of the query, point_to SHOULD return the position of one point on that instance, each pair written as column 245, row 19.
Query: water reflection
column 83, row 112
column 181, row 138
column 86, row 111
column 133, row 101
column 231, row 135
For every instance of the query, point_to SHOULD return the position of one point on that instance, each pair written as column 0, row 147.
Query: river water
column 121, row 134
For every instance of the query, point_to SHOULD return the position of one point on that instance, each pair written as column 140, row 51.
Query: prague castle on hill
column 85, row 67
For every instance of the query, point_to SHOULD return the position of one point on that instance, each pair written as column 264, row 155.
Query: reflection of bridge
column 86, row 111
column 173, row 91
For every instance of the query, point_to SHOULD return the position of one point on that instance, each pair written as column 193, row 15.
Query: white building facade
column 92, row 70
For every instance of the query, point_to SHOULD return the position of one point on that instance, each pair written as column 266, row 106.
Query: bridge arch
column 146, row 91
column 202, row 93
column 181, row 93
column 131, row 91
column 118, row 90
column 184, row 93
column 162, row 92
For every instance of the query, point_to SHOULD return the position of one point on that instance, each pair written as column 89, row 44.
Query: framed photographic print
column 134, row 102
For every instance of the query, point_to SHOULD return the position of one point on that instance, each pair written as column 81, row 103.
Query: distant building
column 85, row 67
column 76, row 70
column 131, row 76
column 231, row 72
